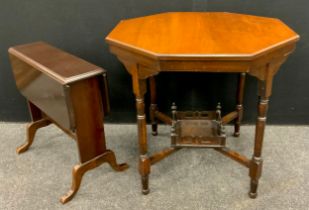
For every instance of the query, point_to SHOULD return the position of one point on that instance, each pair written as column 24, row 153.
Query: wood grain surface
column 201, row 34
column 60, row 65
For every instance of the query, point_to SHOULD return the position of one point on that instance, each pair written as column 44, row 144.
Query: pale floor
column 189, row 179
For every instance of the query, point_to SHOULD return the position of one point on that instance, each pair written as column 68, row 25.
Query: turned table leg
column 239, row 106
column 153, row 106
column 144, row 162
column 139, row 83
column 255, row 169
column 139, row 88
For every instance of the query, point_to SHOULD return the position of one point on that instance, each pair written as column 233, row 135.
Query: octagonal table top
column 201, row 35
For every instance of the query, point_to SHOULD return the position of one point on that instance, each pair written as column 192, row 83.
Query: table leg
column 139, row 89
column 37, row 122
column 79, row 170
column 239, row 106
column 31, row 131
column 90, row 137
column 255, row 170
column 153, row 106
column 144, row 163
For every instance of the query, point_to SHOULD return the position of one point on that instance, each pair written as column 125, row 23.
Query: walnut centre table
column 202, row 42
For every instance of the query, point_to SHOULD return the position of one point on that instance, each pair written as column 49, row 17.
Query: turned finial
column 174, row 110
column 218, row 111
column 218, row 106
column 173, row 107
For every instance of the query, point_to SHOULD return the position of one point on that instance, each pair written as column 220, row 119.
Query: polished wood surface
column 59, row 65
column 202, row 42
column 43, row 91
column 89, row 118
column 43, row 74
column 76, row 101
column 176, row 35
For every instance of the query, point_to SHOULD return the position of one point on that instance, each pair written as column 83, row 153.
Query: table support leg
column 140, row 89
column 239, row 106
column 31, row 131
column 144, row 163
column 257, row 162
column 80, row 169
column 153, row 106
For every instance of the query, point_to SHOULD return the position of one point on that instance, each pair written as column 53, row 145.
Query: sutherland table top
column 54, row 62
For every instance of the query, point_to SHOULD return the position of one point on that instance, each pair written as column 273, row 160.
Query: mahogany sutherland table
column 202, row 42
column 71, row 93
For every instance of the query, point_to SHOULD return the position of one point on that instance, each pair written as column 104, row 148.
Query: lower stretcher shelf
column 198, row 133
column 197, row 129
